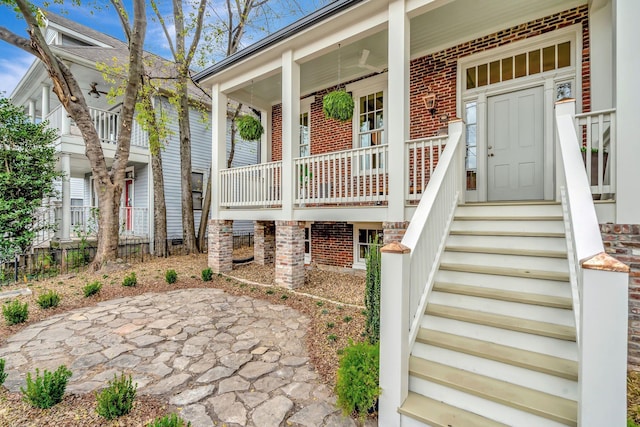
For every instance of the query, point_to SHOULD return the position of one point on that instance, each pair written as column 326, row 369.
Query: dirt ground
column 334, row 302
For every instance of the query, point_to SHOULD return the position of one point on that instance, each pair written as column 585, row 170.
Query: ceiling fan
column 94, row 92
column 362, row 62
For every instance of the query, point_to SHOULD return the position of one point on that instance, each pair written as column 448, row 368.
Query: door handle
column 490, row 155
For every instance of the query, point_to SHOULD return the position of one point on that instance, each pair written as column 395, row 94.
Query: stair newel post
column 394, row 332
column 457, row 127
column 603, row 342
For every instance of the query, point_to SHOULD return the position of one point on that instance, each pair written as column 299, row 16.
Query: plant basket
column 249, row 127
column 338, row 105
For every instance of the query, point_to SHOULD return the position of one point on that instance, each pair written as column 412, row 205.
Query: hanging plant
column 338, row 105
column 249, row 127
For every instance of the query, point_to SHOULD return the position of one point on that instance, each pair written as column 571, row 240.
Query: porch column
column 264, row 242
column 265, row 141
column 601, row 53
column 290, row 254
column 290, row 128
column 397, row 106
column 32, row 110
column 65, row 224
column 220, row 257
column 627, row 64
column 65, row 122
column 46, row 103
column 219, row 147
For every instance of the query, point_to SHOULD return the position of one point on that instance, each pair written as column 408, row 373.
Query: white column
column 481, row 149
column 290, row 128
column 603, row 343
column 265, row 141
column 65, row 122
column 394, row 332
column 46, row 101
column 601, row 54
column 397, row 106
column 32, row 110
column 65, row 225
column 627, row 63
column 219, row 147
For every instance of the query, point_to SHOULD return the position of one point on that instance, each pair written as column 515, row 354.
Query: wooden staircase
column 497, row 345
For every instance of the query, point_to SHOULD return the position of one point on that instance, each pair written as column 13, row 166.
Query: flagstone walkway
column 220, row 358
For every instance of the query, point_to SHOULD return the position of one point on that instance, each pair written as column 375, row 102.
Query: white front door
column 515, row 143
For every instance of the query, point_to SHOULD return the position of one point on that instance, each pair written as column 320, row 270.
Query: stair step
column 458, row 217
column 513, row 356
column 542, row 228
column 504, row 295
column 525, row 210
column 554, row 245
column 439, row 414
column 532, row 401
column 546, row 329
column 516, row 284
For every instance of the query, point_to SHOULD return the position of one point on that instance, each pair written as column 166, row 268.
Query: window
column 365, row 242
column 197, row 189
column 545, row 59
column 304, row 134
column 471, row 155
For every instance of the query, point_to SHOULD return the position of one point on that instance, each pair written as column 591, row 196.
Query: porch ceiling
column 452, row 23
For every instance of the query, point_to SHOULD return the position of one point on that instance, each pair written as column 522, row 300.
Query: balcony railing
column 251, row 186
column 106, row 123
column 596, row 135
column 133, row 221
column 421, row 157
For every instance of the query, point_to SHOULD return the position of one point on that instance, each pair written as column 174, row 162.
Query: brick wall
column 622, row 241
column 438, row 70
column 220, row 257
column 276, row 132
column 332, row 243
column 289, row 254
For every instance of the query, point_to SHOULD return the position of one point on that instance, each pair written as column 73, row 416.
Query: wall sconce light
column 430, row 102
column 94, row 92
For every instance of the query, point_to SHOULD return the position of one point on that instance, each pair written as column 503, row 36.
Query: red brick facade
column 332, row 243
column 439, row 70
column 622, row 241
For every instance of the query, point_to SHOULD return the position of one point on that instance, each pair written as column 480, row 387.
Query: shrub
column 49, row 299
column 207, row 274
column 357, row 383
column 372, row 291
column 91, row 288
column 171, row 276
column 169, row 421
column 48, row 389
column 3, row 374
column 130, row 280
column 15, row 313
column 117, row 399
column 249, row 128
column 338, row 105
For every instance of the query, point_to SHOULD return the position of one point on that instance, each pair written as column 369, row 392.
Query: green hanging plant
column 338, row 105
column 249, row 127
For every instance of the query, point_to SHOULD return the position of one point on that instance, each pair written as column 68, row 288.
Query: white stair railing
column 597, row 138
column 421, row 157
column 408, row 271
column 599, row 285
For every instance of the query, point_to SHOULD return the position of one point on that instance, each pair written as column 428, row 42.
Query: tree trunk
column 188, row 223
column 204, row 218
column 159, row 207
column 108, row 224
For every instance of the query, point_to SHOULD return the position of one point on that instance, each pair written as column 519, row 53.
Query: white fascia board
column 76, row 35
column 26, row 83
column 420, row 7
column 235, row 78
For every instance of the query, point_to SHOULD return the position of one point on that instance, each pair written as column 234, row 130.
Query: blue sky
column 14, row 62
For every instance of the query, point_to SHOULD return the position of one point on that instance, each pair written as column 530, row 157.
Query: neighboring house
column 492, row 312
column 83, row 48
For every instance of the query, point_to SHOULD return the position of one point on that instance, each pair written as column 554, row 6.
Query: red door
column 128, row 203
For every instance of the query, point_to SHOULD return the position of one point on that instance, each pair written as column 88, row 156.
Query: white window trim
column 357, row 226
column 305, row 107
column 307, row 257
column 204, row 183
column 364, row 87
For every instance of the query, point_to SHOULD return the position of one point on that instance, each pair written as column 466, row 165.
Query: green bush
column 171, row 276
column 249, row 128
column 3, row 374
column 357, row 383
column 169, row 421
column 630, row 422
column 49, row 299
column 117, row 399
column 338, row 105
column 130, row 280
column 207, row 274
column 372, row 291
column 15, row 313
column 91, row 288
column 48, row 389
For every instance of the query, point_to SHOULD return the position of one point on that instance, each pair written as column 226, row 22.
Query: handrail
column 429, row 226
column 421, row 158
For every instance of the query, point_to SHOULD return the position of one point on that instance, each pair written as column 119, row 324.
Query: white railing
column 349, row 176
column 134, row 221
column 84, row 220
column 45, row 216
column 408, row 271
column 106, row 123
column 599, row 286
column 597, row 139
column 252, row 186
column 421, row 157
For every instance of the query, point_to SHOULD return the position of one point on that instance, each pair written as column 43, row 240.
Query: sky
column 14, row 62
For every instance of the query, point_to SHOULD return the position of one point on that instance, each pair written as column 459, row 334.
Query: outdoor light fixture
column 94, row 92
column 430, row 101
